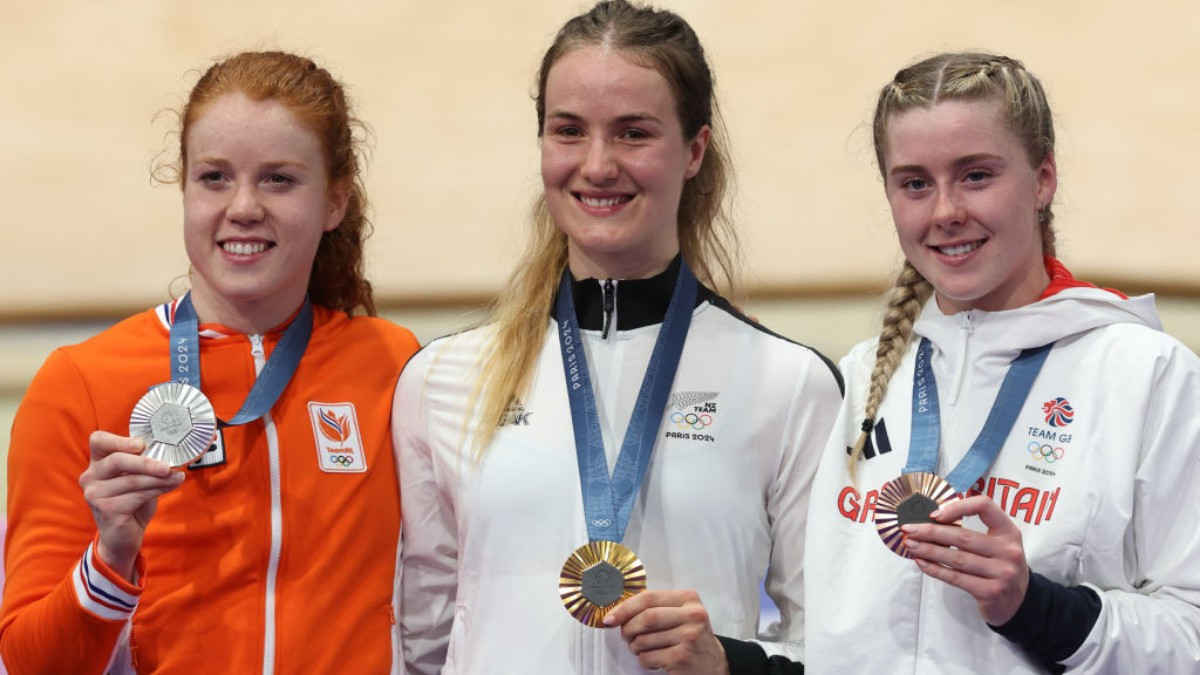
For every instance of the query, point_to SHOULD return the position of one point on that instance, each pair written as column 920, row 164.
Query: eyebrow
column 629, row 117
column 270, row 166
column 958, row 163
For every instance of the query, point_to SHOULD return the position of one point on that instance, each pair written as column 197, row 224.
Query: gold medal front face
column 909, row 499
column 597, row 577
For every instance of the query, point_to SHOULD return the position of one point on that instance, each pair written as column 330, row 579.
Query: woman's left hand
column 670, row 630
column 990, row 566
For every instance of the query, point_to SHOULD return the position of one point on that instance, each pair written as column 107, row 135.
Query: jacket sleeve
column 64, row 611
column 429, row 535
column 811, row 413
column 1155, row 628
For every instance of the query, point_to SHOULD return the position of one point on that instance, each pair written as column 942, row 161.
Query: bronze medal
column 906, row 500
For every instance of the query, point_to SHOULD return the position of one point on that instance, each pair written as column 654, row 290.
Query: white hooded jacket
column 1101, row 473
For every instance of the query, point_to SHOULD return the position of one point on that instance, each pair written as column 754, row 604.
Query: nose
column 599, row 165
column 245, row 206
column 948, row 209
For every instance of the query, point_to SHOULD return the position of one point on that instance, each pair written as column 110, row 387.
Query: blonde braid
column 904, row 305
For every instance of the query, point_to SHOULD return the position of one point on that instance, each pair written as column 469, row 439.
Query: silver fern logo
column 691, row 415
column 682, row 400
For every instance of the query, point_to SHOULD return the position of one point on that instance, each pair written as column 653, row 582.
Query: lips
column 245, row 248
column 955, row 250
column 602, row 201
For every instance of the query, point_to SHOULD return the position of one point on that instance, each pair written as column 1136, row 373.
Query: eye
column 635, row 134
column 914, row 184
column 975, row 176
column 567, row 131
column 211, row 177
column 279, row 180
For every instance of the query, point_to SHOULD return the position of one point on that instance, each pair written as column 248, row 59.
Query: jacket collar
column 638, row 302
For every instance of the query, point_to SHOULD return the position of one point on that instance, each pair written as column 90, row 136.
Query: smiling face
column 965, row 199
column 614, row 161
column 256, row 200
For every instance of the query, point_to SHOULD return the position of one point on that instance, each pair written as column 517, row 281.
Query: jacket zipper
column 268, row 666
column 609, row 290
column 966, row 328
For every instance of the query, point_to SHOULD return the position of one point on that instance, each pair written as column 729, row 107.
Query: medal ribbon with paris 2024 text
column 608, row 502
column 270, row 383
column 926, row 418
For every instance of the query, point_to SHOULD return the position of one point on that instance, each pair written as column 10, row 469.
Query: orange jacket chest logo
column 336, row 432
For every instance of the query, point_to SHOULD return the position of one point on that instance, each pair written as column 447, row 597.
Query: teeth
column 961, row 249
column 600, row 203
column 241, row 248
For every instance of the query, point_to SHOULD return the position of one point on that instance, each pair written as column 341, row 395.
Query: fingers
column 114, row 455
column 707, row 656
column 98, row 492
column 646, row 600
column 662, row 627
column 989, row 565
column 670, row 630
column 993, row 517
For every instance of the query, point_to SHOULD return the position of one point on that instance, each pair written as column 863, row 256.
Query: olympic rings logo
column 693, row 420
column 343, row 460
column 602, row 522
column 1045, row 452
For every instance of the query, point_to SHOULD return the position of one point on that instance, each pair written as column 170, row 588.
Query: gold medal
column 176, row 421
column 597, row 577
column 907, row 500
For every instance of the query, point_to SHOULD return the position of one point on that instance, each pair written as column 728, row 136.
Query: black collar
column 639, row 302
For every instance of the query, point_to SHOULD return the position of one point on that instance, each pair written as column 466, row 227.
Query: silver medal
column 176, row 421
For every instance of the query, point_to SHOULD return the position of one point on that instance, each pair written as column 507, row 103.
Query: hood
column 978, row 346
column 1066, row 313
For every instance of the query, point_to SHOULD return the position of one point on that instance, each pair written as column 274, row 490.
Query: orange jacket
column 280, row 559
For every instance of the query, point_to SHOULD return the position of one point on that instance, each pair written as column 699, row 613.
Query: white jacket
column 1101, row 473
column 721, row 507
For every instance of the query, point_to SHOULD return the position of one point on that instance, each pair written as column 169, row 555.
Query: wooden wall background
column 87, row 89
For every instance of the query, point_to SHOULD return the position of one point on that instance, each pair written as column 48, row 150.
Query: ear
column 339, row 199
column 1046, row 176
column 696, row 149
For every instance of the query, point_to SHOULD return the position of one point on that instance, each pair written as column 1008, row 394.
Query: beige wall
column 445, row 86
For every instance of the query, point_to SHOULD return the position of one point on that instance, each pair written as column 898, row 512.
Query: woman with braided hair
column 1010, row 483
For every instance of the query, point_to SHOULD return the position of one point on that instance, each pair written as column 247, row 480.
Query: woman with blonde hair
column 243, row 515
column 694, row 431
column 1007, row 484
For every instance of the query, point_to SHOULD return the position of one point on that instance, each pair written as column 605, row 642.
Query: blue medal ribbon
column 270, row 383
column 926, row 418
column 608, row 501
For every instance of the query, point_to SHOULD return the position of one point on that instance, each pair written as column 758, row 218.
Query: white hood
column 986, row 342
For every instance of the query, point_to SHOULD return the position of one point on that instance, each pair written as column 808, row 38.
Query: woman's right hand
column 122, row 489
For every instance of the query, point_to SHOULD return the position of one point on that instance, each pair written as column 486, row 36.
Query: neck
column 248, row 318
column 617, row 266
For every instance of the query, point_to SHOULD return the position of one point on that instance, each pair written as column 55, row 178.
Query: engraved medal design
column 596, row 578
column 176, row 421
column 906, row 500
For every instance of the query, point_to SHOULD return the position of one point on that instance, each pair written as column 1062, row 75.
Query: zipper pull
column 968, row 322
column 256, row 346
column 609, row 293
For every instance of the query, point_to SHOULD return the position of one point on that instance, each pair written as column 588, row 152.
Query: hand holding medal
column 989, row 565
column 914, row 510
column 121, row 487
